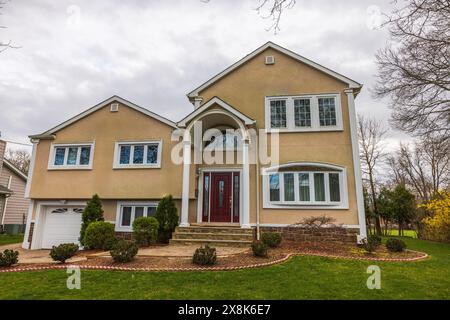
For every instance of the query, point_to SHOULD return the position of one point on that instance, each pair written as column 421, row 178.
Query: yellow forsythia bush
column 437, row 226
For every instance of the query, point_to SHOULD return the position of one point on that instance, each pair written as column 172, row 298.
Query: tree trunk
column 374, row 201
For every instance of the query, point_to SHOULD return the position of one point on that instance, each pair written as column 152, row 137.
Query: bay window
column 305, row 186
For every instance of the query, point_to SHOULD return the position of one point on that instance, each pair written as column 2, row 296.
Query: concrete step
column 211, row 242
column 210, row 229
column 213, row 236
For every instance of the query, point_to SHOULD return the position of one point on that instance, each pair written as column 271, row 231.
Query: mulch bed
column 242, row 260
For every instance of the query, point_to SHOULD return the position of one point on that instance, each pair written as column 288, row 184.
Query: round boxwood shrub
column 63, row 252
column 271, row 239
column 374, row 239
column 259, row 249
column 100, row 235
column 124, row 251
column 395, row 245
column 205, row 256
column 9, row 258
column 145, row 230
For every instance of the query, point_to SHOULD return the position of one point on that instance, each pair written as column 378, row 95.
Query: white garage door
column 62, row 225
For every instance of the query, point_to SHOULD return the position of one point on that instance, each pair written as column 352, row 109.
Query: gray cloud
column 75, row 54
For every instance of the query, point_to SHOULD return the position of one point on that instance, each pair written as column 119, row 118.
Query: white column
column 185, row 194
column 246, row 186
column 356, row 165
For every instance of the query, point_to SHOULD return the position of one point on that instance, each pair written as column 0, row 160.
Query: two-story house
column 271, row 140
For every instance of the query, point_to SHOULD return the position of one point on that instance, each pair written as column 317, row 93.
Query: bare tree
column 19, row 158
column 5, row 45
column 414, row 69
column 273, row 10
column 424, row 166
column 371, row 133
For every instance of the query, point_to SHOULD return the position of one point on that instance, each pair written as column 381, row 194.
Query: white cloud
column 75, row 54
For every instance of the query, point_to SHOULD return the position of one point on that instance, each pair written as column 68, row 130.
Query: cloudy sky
column 74, row 54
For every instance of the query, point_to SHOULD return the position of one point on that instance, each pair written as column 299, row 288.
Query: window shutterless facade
column 127, row 212
column 304, row 113
column 320, row 187
column 137, row 154
column 73, row 156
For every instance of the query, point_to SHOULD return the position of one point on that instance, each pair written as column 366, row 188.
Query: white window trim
column 133, row 204
column 343, row 204
column 314, row 105
column 118, row 165
column 51, row 158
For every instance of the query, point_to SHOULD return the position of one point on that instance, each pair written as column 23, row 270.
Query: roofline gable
column 217, row 77
column 13, row 168
column 102, row 104
column 215, row 100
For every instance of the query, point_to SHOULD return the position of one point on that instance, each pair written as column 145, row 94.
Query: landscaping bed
column 241, row 260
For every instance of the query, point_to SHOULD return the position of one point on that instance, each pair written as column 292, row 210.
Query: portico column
column 185, row 193
column 246, row 186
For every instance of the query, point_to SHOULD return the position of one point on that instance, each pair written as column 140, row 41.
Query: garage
column 62, row 225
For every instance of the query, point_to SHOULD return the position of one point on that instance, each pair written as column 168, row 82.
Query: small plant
column 100, row 235
column 395, row 245
column 167, row 216
column 370, row 244
column 375, row 239
column 205, row 256
column 271, row 239
column 9, row 258
column 145, row 230
column 63, row 252
column 259, row 249
column 316, row 222
column 91, row 213
column 124, row 251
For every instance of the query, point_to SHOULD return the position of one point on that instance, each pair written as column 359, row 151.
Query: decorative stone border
column 251, row 266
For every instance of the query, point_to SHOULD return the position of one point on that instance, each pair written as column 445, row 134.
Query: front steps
column 213, row 236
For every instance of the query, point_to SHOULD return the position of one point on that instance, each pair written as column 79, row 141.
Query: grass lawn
column 10, row 238
column 302, row 277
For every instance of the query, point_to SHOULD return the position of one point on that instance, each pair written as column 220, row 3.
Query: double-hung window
column 71, row 156
column 144, row 154
column 305, row 187
column 304, row 113
column 127, row 212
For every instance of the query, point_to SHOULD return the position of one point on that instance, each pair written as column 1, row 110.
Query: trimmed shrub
column 145, row 230
column 100, row 235
column 63, row 252
column 205, row 256
column 167, row 216
column 271, row 239
column 124, row 251
column 259, row 249
column 395, row 245
column 91, row 213
column 9, row 258
column 375, row 239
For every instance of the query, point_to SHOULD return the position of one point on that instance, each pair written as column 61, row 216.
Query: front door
column 221, row 197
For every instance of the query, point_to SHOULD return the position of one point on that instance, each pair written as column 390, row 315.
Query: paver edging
column 252, row 266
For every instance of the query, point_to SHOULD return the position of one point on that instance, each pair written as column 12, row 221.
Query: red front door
column 221, row 197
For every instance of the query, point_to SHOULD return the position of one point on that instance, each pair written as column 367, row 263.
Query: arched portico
column 216, row 114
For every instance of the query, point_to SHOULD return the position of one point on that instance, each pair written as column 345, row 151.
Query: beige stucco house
column 270, row 140
column 13, row 204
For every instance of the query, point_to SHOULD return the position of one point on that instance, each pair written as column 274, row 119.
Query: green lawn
column 302, row 277
column 10, row 238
